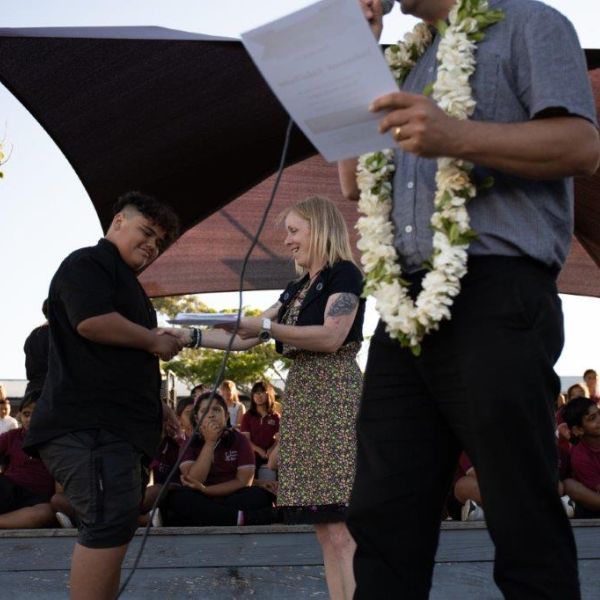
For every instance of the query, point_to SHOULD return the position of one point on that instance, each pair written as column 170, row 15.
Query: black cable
column 217, row 380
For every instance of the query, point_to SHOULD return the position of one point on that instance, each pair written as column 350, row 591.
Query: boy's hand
column 164, row 346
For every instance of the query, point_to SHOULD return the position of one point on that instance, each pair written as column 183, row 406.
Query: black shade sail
column 189, row 119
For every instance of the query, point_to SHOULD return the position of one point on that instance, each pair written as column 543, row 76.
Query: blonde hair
column 233, row 391
column 329, row 239
column 3, row 395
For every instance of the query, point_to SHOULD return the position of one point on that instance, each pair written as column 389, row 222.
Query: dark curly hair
column 159, row 213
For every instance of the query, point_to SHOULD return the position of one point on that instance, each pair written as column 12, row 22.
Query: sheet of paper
column 209, row 319
column 324, row 65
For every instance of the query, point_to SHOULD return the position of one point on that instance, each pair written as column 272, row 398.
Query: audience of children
column 25, row 486
column 6, row 421
column 217, row 472
column 229, row 477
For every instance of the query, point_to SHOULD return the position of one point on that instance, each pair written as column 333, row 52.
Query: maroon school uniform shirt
column 164, row 460
column 261, row 429
column 585, row 465
column 228, row 457
column 23, row 470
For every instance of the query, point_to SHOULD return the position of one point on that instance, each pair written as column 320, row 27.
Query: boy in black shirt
column 99, row 417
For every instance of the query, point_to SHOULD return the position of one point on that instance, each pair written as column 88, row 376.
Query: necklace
column 406, row 320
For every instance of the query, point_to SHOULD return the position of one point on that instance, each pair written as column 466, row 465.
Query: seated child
column 184, row 409
column 25, row 485
column 217, row 473
column 6, row 421
column 161, row 466
column 583, row 418
column 260, row 425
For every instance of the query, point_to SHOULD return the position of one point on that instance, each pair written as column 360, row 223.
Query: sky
column 45, row 212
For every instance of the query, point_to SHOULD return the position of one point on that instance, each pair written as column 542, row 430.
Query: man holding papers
column 470, row 363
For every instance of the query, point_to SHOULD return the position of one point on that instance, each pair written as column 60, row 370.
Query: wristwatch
column 265, row 333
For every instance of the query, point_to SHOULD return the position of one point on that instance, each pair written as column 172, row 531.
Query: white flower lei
column 409, row 321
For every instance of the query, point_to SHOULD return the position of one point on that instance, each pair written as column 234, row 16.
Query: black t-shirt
column 36, row 357
column 343, row 276
column 91, row 385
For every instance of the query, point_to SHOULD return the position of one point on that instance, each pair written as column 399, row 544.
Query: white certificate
column 210, row 319
column 325, row 67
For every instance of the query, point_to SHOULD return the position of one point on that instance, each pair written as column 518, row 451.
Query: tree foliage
column 203, row 365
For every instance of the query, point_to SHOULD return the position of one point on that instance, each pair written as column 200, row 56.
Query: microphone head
column 387, row 6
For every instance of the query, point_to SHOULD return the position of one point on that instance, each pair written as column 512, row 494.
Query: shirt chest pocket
column 484, row 83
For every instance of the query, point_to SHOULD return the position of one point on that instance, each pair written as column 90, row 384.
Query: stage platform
column 270, row 562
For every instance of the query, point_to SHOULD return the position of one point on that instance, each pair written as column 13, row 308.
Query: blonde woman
column 236, row 409
column 317, row 322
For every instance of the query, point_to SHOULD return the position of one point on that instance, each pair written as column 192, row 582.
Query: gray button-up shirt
column 529, row 62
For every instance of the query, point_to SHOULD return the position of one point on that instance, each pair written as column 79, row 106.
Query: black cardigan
column 343, row 276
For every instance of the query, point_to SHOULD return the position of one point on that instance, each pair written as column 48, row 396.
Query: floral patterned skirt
column 318, row 435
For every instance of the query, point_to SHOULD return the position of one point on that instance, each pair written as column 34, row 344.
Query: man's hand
column 418, row 124
column 164, row 346
column 373, row 12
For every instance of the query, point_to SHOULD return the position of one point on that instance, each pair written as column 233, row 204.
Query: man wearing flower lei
column 466, row 224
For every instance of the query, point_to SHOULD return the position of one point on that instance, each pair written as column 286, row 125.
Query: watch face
column 264, row 336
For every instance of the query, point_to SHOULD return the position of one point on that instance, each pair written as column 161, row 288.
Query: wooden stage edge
column 265, row 562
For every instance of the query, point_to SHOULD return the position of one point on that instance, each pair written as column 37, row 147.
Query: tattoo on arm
column 343, row 305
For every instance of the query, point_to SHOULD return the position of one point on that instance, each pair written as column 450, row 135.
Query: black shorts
column 104, row 478
column 13, row 496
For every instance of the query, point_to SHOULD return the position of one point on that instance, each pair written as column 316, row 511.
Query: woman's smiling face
column 297, row 239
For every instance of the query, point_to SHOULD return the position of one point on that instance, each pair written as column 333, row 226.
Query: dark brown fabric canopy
column 192, row 121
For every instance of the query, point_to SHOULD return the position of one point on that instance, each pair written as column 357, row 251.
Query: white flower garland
column 409, row 321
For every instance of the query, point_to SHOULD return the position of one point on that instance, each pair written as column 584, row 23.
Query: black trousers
column 184, row 506
column 483, row 382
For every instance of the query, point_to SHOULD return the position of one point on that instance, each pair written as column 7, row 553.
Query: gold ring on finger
column 397, row 132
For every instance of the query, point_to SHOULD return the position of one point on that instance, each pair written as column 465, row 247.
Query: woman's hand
column 249, row 327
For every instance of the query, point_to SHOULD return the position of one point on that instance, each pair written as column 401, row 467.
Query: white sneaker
column 157, row 518
column 471, row 511
column 568, row 506
column 64, row 521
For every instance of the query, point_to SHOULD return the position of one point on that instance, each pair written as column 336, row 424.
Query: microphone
column 387, row 6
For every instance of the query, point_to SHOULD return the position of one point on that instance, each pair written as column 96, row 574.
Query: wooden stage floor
column 271, row 562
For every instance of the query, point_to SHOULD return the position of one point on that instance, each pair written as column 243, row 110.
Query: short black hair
column 182, row 404
column 30, row 398
column 574, row 412
column 158, row 212
column 45, row 307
